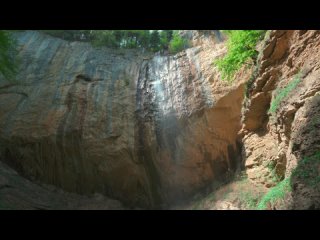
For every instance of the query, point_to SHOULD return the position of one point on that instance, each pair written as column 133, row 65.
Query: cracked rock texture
column 276, row 143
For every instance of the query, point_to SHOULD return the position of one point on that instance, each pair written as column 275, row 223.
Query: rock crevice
column 272, row 140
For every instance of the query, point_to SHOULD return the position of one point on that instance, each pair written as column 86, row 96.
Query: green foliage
column 177, row 43
column 7, row 55
column 307, row 170
column 104, row 38
column 271, row 165
column 281, row 94
column 132, row 38
column 154, row 40
column 165, row 38
column 241, row 47
column 274, row 176
column 275, row 193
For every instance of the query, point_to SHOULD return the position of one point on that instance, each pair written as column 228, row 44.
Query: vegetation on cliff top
column 152, row 40
column 241, row 46
column 7, row 55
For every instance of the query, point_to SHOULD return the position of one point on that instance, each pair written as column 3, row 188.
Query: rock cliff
column 146, row 130
column 280, row 129
column 153, row 130
column 277, row 143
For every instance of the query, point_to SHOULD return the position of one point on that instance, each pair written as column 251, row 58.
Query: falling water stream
column 163, row 100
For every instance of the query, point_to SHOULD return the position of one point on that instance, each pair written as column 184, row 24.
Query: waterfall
column 169, row 90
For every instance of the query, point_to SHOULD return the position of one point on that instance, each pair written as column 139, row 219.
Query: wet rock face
column 146, row 131
column 71, row 120
column 182, row 126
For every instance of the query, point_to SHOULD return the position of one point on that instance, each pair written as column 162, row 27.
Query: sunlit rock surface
column 276, row 144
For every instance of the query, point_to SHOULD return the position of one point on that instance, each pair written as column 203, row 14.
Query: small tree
column 169, row 34
column 104, row 38
column 165, row 38
column 155, row 41
column 177, row 43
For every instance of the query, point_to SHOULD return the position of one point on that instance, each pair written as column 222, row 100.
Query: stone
column 291, row 133
column 18, row 193
column 255, row 116
column 145, row 130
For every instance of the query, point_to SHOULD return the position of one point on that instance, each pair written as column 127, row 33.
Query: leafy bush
column 281, row 94
column 275, row 193
column 7, row 55
column 177, row 43
column 241, row 47
column 165, row 38
column 104, row 38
